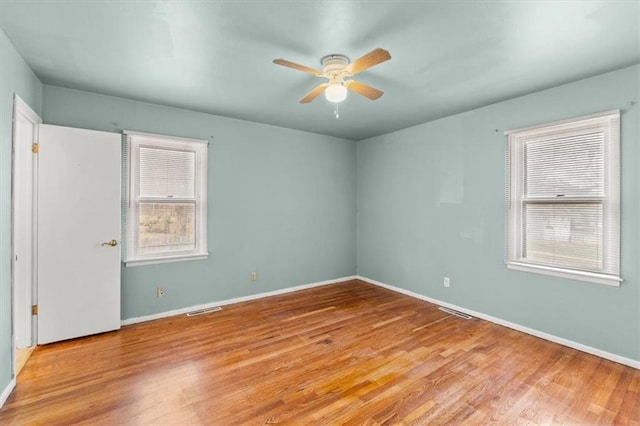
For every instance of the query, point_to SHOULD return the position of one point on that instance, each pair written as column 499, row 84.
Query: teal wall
column 15, row 77
column 431, row 204
column 281, row 202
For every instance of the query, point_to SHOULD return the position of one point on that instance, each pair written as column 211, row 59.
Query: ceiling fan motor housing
column 333, row 67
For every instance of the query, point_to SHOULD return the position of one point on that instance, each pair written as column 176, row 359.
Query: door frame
column 22, row 110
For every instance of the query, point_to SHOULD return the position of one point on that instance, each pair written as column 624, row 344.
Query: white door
column 78, row 232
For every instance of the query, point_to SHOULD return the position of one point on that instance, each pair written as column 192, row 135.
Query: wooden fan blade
column 363, row 89
column 298, row 67
column 313, row 94
column 372, row 58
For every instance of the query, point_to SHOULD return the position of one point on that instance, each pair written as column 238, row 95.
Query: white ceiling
column 216, row 56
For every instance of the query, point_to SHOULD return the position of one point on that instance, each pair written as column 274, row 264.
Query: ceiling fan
column 337, row 69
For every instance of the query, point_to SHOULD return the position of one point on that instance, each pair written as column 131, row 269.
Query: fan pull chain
column 336, row 112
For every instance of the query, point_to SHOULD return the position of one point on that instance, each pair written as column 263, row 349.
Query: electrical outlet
column 161, row 292
column 253, row 276
column 446, row 282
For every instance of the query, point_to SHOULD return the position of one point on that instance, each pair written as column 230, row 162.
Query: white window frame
column 134, row 141
column 609, row 122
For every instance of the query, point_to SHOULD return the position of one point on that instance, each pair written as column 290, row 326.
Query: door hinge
column 34, row 309
column 35, row 148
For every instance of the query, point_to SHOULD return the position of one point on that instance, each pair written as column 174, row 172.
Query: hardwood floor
column 349, row 353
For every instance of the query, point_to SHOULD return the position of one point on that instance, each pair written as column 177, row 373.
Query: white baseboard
column 7, row 391
column 550, row 337
column 182, row 311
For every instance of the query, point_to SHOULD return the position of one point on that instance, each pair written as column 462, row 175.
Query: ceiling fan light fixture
column 335, row 93
column 336, row 68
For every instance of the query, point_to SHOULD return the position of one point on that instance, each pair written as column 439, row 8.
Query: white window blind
column 563, row 196
column 167, row 205
column 167, row 173
column 570, row 165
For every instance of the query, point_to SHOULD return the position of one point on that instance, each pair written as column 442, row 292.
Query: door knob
column 111, row 243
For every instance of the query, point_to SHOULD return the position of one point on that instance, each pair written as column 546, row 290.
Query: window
column 563, row 195
column 166, row 211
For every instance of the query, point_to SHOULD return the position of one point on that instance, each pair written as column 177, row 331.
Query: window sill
column 592, row 277
column 166, row 259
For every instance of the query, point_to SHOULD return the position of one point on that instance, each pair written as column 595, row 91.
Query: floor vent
column 456, row 313
column 204, row 311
